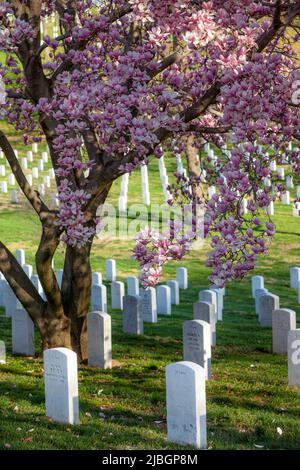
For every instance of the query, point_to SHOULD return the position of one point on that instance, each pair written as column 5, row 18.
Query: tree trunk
column 194, row 169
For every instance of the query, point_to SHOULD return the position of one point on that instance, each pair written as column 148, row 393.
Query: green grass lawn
column 124, row 408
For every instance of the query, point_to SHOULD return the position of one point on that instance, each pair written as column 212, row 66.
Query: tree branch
column 32, row 196
column 20, row 283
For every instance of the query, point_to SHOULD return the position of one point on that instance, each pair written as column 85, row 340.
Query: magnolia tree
column 122, row 82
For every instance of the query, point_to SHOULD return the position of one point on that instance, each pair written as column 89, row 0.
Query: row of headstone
column 285, row 335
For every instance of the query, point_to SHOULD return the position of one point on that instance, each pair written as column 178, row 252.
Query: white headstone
column 219, row 293
column 267, row 303
column 270, row 208
column 285, row 198
column 35, row 172
column 163, row 296
column 283, row 321
column 20, row 257
column 182, row 277
column 294, row 358
column 149, row 304
column 186, row 404
column 22, row 333
column 110, row 269
column 258, row 293
column 205, row 311
column 197, row 344
column 40, row 165
column 96, row 279
column 99, row 340
column 295, row 277
column 3, row 187
column 133, row 315
column 117, row 294
column 11, row 179
column 99, row 298
column 9, row 299
column 61, row 385
column 14, row 196
column 24, row 163
column 174, row 286
column 257, row 283
column 210, row 296
column 132, row 285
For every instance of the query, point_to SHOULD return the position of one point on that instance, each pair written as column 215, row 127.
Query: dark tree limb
column 21, row 284
column 33, row 196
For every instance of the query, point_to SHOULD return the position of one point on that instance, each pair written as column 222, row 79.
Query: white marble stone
column 35, row 172
column 182, row 277
column 11, row 179
column 9, row 300
column 149, row 304
column 283, row 321
column 99, row 340
column 257, row 282
column 205, row 311
column 219, row 293
column 117, row 294
column 14, row 197
column 295, row 277
column 133, row 315
column 210, row 296
column 110, row 269
column 163, row 296
column 132, row 285
column 40, row 164
column 267, row 303
column 270, row 208
column 61, row 385
column 294, row 358
column 22, row 333
column 286, row 198
column 258, row 293
column 197, row 344
column 99, row 298
column 96, row 279
column 186, row 404
column 20, row 256
column 3, row 187
column 174, row 286
column 24, row 163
